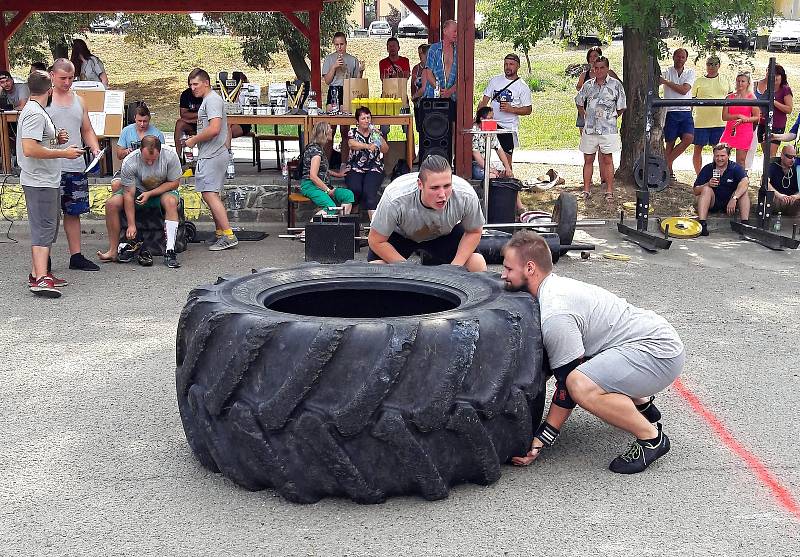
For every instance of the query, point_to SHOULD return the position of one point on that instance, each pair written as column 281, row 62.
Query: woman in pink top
column 740, row 119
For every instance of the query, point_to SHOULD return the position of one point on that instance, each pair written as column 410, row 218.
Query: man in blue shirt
column 130, row 138
column 721, row 186
column 443, row 63
column 783, row 181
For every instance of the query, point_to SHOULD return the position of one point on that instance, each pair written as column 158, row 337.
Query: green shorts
column 153, row 202
column 322, row 199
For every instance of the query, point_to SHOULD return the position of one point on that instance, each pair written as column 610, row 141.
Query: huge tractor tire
column 358, row 380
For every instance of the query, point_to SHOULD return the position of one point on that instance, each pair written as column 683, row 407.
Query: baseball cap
column 512, row 56
column 5, row 73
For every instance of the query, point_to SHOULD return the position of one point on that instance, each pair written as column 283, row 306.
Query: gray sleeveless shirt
column 70, row 118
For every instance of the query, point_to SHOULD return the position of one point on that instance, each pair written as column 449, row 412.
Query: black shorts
column 721, row 200
column 333, row 88
column 440, row 251
column 506, row 141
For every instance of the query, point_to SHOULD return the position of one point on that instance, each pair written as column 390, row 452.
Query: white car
column 784, row 36
column 380, row 29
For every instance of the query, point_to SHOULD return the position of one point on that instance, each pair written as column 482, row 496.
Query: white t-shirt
column 581, row 319
column 401, row 210
column 687, row 76
column 518, row 94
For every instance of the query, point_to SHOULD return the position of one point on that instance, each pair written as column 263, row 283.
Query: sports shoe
column 57, row 282
column 225, row 242
column 144, row 258
column 44, row 287
column 171, row 260
column 127, row 251
column 80, row 263
column 640, row 455
column 649, row 411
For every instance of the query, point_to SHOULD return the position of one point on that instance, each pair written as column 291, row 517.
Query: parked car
column 412, row 27
column 106, row 26
column 380, row 29
column 733, row 34
column 784, row 36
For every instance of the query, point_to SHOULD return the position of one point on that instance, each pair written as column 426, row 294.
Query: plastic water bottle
column 335, row 101
column 776, row 225
column 437, row 90
column 230, row 173
column 284, row 170
column 312, row 107
column 188, row 153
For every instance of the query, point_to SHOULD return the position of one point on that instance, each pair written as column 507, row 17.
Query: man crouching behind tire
column 634, row 354
column 433, row 212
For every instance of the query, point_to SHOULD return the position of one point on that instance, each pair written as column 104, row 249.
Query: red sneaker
column 44, row 287
column 57, row 282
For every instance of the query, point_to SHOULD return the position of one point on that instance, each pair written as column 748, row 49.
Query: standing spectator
column 678, row 81
column 394, row 65
column 510, row 98
column 88, row 67
column 68, row 112
column 708, row 123
column 336, row 67
column 418, row 82
column 738, row 132
column 479, row 149
column 367, row 147
column 130, row 138
column 600, row 101
column 588, row 73
column 187, row 120
column 442, row 64
column 12, row 95
column 721, row 187
column 41, row 172
column 783, row 181
column 784, row 102
column 212, row 158
column 315, row 183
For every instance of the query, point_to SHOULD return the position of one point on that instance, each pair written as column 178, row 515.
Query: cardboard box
column 95, row 102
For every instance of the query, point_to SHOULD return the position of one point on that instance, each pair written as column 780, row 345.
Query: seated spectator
column 13, row 96
column 315, row 183
column 720, row 187
column 131, row 136
column 783, row 181
column 187, row 122
column 367, row 147
column 88, row 67
column 479, row 149
column 149, row 177
column 237, row 130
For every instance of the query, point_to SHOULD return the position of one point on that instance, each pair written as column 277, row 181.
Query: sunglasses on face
column 789, row 156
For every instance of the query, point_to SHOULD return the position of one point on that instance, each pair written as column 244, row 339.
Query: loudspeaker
column 436, row 128
column 330, row 242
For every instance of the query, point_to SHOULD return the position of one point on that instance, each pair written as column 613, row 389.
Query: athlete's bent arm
column 380, row 245
column 466, row 247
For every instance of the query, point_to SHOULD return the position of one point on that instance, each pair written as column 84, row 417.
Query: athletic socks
column 171, row 227
column 228, row 232
column 218, row 233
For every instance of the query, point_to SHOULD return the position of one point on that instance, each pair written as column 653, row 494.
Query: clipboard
column 92, row 165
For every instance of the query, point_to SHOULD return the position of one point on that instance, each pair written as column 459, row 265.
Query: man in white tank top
column 69, row 113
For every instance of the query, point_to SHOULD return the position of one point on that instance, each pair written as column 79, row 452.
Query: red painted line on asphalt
column 781, row 494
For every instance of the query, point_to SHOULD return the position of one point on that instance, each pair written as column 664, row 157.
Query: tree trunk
column 298, row 61
column 527, row 60
column 59, row 47
column 634, row 74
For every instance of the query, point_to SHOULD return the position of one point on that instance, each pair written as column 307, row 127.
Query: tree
column 265, row 34
column 394, row 18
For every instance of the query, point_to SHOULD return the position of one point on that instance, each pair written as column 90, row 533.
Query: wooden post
column 434, row 21
column 315, row 54
column 448, row 10
column 466, row 87
column 7, row 30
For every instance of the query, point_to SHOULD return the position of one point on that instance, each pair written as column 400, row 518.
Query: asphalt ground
column 94, row 460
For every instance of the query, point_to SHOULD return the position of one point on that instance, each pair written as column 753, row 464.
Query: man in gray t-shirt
column 14, row 94
column 432, row 212
column 336, row 67
column 149, row 177
column 607, row 356
column 212, row 161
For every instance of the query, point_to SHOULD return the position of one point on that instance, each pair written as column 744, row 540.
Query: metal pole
column 486, row 166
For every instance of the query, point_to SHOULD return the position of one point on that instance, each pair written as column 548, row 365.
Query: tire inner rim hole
column 359, row 301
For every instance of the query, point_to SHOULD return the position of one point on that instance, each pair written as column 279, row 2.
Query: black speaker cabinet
column 330, row 242
column 436, row 128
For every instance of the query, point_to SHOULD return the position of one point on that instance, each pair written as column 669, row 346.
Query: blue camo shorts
column 74, row 193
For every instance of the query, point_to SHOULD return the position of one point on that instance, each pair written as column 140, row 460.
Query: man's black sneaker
column 649, row 411
column 145, row 258
column 641, row 454
column 171, row 260
column 79, row 263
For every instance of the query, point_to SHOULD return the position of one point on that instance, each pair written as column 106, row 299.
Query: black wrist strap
column 547, row 434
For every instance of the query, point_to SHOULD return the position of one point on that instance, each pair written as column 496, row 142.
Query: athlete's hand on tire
column 533, row 454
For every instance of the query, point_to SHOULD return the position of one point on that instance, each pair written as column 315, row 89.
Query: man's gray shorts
column 209, row 174
column 632, row 371
column 44, row 214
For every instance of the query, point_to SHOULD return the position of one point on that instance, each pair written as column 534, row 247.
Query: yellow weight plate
column 681, row 227
column 617, row 256
column 631, row 206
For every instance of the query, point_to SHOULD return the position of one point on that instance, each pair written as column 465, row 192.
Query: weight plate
column 631, row 206
column 617, row 256
column 681, row 227
column 658, row 177
column 565, row 214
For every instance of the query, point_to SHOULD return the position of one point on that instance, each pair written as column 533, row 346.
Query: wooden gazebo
column 15, row 12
